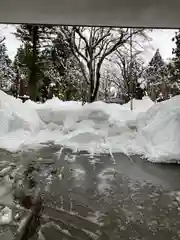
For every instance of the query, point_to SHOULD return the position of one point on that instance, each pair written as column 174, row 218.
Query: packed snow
column 139, row 105
column 150, row 130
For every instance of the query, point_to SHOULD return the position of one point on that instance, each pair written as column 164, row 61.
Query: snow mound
column 140, row 105
column 151, row 130
column 83, row 127
column 58, row 112
column 17, row 122
column 159, row 131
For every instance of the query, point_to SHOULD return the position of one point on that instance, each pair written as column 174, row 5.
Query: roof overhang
column 126, row 13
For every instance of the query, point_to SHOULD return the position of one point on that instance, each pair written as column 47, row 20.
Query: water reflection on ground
column 85, row 197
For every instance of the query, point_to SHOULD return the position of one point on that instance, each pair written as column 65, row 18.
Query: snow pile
column 159, row 131
column 58, row 112
column 17, row 122
column 84, row 127
column 151, row 130
column 140, row 105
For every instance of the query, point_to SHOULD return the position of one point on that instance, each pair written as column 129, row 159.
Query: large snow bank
column 83, row 127
column 158, row 131
column 17, row 123
column 151, row 129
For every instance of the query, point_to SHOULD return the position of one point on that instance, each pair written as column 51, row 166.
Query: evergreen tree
column 157, row 75
column 6, row 70
column 62, row 68
column 174, row 66
column 176, row 53
column 47, row 64
column 156, row 69
column 22, row 60
column 33, row 37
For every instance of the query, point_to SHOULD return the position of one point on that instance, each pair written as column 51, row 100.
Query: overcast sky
column 161, row 39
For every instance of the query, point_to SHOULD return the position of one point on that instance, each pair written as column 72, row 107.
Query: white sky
column 161, row 39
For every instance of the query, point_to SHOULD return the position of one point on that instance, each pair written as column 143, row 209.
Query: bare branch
column 70, row 37
column 101, row 39
column 77, row 30
column 2, row 40
column 94, row 44
column 74, row 50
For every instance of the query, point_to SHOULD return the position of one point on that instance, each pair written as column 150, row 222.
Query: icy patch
column 107, row 174
column 96, row 217
column 104, row 187
column 105, row 179
column 78, row 173
column 5, row 216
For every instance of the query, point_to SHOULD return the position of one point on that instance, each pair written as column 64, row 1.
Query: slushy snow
column 151, row 130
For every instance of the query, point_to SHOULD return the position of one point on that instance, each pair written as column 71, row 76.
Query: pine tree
column 48, row 63
column 174, row 67
column 157, row 75
column 22, row 65
column 176, row 52
column 6, row 70
column 29, row 35
column 33, row 37
column 156, row 68
column 175, row 64
column 62, row 69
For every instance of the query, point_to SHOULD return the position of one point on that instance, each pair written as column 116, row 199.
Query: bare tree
column 129, row 68
column 91, row 46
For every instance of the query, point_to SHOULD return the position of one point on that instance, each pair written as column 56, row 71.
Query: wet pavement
column 104, row 197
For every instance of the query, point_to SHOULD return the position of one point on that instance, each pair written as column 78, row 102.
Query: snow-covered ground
column 151, row 130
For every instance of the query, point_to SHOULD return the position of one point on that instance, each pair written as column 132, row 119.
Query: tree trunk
column 32, row 83
column 153, row 94
column 67, row 94
column 32, row 90
column 95, row 92
column 91, row 81
column 21, row 88
column 17, row 83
